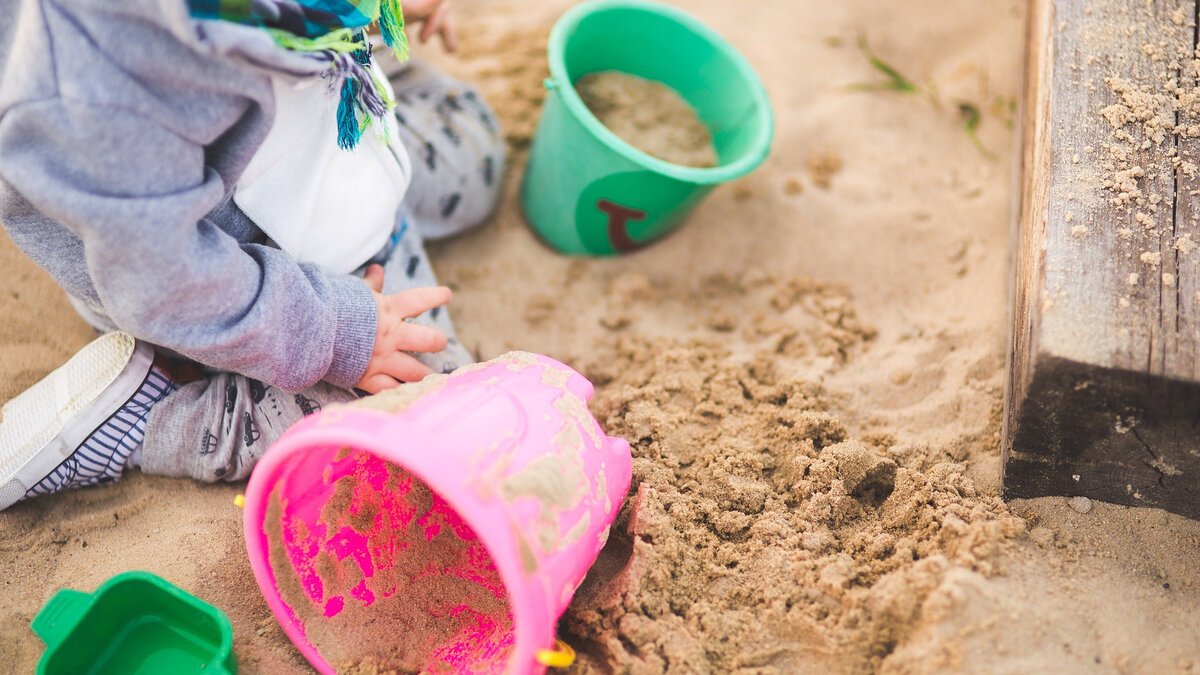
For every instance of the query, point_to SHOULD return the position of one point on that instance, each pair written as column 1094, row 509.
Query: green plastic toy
column 133, row 624
column 585, row 190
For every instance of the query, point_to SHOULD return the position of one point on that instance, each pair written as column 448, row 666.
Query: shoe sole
column 46, row 423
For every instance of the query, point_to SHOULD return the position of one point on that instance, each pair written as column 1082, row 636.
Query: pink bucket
column 447, row 536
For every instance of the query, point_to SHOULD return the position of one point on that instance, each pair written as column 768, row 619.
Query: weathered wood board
column 1103, row 391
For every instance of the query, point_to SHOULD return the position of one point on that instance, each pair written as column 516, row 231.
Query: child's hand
column 389, row 365
column 435, row 19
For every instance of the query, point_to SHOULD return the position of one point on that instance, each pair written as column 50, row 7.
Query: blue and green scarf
column 333, row 30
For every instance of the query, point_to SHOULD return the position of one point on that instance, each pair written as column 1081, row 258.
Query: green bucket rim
column 59, row 620
column 701, row 176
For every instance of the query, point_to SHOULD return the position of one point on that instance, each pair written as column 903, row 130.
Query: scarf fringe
column 340, row 40
column 359, row 92
column 391, row 24
column 349, row 131
column 362, row 96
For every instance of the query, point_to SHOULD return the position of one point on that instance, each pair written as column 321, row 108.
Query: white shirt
column 318, row 202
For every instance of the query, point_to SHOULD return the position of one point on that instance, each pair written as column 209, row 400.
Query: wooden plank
column 1103, row 391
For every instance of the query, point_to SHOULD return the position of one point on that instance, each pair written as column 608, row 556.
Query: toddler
column 234, row 193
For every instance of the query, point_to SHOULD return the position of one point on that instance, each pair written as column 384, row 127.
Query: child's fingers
column 433, row 24
column 426, row 29
column 449, row 33
column 418, row 338
column 404, row 367
column 418, row 10
column 373, row 384
column 416, row 301
column 374, row 277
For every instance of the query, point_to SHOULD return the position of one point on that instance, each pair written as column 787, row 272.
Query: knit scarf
column 331, row 30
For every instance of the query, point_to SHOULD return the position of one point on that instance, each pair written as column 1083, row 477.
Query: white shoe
column 79, row 424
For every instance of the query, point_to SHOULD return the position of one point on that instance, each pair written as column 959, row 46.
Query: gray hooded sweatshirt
column 124, row 126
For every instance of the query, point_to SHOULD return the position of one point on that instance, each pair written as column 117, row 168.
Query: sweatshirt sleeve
column 136, row 194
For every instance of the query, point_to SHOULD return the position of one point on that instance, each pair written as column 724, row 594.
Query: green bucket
column 586, row 191
column 133, row 624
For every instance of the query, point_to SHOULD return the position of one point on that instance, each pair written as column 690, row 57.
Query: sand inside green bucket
column 648, row 115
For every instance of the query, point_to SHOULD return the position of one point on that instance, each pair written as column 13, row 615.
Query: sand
column 648, row 115
column 825, row 329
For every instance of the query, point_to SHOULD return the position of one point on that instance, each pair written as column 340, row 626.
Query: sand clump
column 648, row 115
column 760, row 532
column 822, row 167
column 791, row 316
column 1136, row 146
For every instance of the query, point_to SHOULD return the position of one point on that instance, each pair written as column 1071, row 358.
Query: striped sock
column 102, row 456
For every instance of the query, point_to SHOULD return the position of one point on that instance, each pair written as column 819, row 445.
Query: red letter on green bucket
column 618, row 219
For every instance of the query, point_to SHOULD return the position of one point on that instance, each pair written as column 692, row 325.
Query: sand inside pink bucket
column 426, row 598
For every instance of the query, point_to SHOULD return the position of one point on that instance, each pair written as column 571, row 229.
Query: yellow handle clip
column 560, row 657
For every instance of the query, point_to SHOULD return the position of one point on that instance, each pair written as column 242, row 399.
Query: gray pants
column 217, row 427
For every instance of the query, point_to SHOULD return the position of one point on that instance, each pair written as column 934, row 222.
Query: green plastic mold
column 133, row 624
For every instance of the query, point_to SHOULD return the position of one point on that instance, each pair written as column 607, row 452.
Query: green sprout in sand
column 970, row 116
column 895, row 81
column 968, row 113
